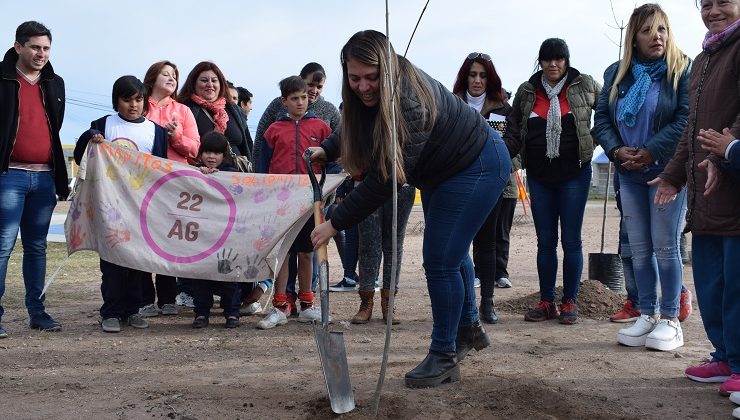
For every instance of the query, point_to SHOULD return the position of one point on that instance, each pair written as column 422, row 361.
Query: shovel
column 330, row 343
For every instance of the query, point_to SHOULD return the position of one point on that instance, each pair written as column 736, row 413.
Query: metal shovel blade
column 336, row 373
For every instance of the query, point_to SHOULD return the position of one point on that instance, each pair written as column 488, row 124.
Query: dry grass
column 79, row 270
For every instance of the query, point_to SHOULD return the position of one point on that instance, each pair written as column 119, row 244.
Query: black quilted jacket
column 430, row 157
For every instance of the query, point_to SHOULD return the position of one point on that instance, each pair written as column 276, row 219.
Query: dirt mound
column 595, row 301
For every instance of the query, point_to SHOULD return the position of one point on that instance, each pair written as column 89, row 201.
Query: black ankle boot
column 471, row 337
column 436, row 369
column 487, row 311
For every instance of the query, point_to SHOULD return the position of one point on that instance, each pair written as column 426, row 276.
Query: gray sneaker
column 111, row 325
column 169, row 309
column 137, row 321
column 148, row 311
column 3, row 333
column 503, row 282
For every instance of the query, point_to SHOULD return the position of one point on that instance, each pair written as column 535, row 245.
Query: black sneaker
column 44, row 322
column 568, row 312
column 232, row 322
column 200, row 322
column 543, row 311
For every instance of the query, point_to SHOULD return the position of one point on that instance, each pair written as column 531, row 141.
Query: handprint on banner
column 90, row 212
column 225, row 260
column 260, row 244
column 285, row 191
column 241, row 223
column 252, row 271
column 115, row 237
column 76, row 237
column 236, row 189
column 74, row 209
column 283, row 209
column 268, row 229
column 259, row 196
column 111, row 173
column 137, row 178
column 111, row 214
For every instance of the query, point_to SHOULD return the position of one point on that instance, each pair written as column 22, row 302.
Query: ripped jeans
column 654, row 233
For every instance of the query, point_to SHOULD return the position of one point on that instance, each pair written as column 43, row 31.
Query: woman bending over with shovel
column 445, row 149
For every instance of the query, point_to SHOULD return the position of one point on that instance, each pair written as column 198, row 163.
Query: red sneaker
column 685, row 305
column 628, row 313
column 543, row 311
column 709, row 372
column 731, row 385
column 568, row 312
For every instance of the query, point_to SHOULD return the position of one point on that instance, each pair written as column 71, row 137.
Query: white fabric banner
column 161, row 216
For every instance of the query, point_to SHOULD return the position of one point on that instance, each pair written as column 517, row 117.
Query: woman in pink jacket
column 183, row 143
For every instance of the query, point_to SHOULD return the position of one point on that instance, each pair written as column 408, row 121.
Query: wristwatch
column 614, row 153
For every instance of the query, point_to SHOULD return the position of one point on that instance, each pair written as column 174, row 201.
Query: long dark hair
column 188, row 87
column 366, row 137
column 493, row 81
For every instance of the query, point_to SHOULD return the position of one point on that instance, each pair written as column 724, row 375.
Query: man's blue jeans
column 564, row 203
column 27, row 201
column 454, row 212
column 654, row 232
column 716, row 269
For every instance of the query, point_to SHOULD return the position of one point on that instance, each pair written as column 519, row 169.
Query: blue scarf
column 644, row 74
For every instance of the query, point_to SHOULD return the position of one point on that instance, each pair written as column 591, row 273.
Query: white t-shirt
column 138, row 136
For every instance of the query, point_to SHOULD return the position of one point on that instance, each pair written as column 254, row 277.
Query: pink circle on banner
column 201, row 255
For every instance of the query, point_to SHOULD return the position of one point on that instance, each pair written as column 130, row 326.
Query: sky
column 257, row 43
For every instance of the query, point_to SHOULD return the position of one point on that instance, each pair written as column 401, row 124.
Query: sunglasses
column 474, row 55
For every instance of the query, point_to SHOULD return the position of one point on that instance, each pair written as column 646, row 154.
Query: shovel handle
column 321, row 253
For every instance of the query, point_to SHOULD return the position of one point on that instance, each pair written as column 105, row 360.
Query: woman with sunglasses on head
column 479, row 86
column 550, row 125
column 444, row 148
column 641, row 113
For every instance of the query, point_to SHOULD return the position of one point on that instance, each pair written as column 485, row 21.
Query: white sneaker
column 503, row 282
column 666, row 336
column 735, row 397
column 251, row 309
column 149, row 310
column 273, row 319
column 476, row 283
column 184, row 299
column 736, row 413
column 636, row 335
column 310, row 314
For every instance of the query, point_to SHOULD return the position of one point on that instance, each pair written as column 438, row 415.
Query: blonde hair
column 366, row 137
column 676, row 60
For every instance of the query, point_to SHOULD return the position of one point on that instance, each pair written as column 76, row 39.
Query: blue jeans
column 351, row 245
column 654, row 233
column 625, row 253
column 564, row 203
column 27, row 201
column 716, row 269
column 453, row 213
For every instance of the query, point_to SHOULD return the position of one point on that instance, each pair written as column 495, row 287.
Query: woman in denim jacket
column 642, row 111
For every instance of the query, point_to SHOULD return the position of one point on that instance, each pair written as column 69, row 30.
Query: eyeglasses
column 474, row 55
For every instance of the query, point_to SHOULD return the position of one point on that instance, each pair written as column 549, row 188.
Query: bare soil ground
column 532, row 370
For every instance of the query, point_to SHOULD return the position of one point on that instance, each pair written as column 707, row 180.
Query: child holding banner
column 121, row 286
column 214, row 156
column 286, row 139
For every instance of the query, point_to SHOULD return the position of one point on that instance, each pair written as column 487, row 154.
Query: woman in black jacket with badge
column 445, row 149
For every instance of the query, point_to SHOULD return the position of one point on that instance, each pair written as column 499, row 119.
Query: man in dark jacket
column 32, row 166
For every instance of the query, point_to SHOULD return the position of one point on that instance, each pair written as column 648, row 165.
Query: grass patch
column 81, row 271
